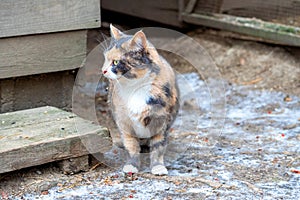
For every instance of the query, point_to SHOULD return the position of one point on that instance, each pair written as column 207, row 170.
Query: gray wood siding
column 23, row 17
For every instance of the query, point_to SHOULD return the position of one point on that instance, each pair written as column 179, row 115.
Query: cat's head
column 129, row 56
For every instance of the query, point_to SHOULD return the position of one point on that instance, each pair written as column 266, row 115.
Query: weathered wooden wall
column 25, row 17
column 41, row 44
column 36, row 54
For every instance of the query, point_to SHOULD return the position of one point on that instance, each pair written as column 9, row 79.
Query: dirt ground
column 256, row 156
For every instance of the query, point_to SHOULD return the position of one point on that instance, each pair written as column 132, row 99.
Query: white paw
column 130, row 168
column 159, row 170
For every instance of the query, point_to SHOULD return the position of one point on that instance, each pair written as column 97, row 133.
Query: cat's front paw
column 130, row 168
column 159, row 170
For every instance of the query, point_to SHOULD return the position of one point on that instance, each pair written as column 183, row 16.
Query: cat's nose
column 105, row 71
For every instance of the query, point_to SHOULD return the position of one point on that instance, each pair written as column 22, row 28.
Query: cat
column 143, row 97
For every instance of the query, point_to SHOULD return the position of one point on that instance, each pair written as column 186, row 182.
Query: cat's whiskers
column 103, row 41
column 102, row 47
column 105, row 38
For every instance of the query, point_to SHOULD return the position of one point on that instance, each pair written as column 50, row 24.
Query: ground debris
column 252, row 187
column 178, row 180
column 287, row 98
column 290, row 126
column 95, row 166
column 254, row 81
column 296, row 171
column 292, row 161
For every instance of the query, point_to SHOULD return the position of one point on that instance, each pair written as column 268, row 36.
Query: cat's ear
column 139, row 40
column 115, row 33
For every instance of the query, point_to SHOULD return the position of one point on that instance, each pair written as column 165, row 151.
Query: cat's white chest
column 135, row 95
column 135, row 99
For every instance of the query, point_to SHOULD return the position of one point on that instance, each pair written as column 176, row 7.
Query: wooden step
column 46, row 134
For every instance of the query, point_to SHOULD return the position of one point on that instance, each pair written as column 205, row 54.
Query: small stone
column 242, row 61
column 287, row 98
column 45, row 186
column 45, row 192
column 159, row 170
column 115, row 176
column 38, row 172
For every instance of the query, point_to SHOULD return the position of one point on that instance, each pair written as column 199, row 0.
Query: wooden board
column 166, row 12
column 46, row 134
column 25, row 17
column 269, row 10
column 208, row 6
column 44, row 53
column 283, row 12
column 278, row 34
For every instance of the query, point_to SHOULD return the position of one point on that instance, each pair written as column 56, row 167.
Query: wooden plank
column 166, row 12
column 41, row 135
column 246, row 26
column 209, row 6
column 266, row 10
column 25, row 17
column 44, row 53
column 279, row 11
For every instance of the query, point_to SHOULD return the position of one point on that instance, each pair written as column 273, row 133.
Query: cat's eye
column 115, row 62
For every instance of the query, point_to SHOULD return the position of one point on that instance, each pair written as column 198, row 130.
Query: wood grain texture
column 44, row 53
column 204, row 6
column 284, row 12
column 46, row 134
column 25, row 17
column 219, row 22
column 266, row 10
column 166, row 12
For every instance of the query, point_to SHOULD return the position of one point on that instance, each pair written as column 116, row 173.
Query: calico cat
column 143, row 96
